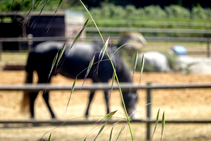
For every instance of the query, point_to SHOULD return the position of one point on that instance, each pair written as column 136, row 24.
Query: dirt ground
column 177, row 104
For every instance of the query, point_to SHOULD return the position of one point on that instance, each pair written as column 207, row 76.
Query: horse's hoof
column 88, row 118
column 55, row 119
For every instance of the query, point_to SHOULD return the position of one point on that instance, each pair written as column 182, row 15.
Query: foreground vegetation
column 104, row 50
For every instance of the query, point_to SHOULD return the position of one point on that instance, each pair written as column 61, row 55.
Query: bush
column 176, row 11
column 154, row 12
column 171, row 60
column 117, row 12
column 199, row 13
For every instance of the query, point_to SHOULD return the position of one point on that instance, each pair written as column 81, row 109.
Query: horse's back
column 47, row 46
column 76, row 59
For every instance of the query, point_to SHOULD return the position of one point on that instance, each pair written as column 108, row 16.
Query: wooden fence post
column 208, row 48
column 30, row 42
column 1, row 48
column 149, row 106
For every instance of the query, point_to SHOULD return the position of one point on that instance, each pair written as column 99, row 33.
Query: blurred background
column 173, row 35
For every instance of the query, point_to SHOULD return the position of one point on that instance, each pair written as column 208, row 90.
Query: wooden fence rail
column 148, row 30
column 148, row 38
column 124, row 86
column 106, row 86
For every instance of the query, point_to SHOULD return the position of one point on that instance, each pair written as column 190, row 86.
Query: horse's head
column 130, row 100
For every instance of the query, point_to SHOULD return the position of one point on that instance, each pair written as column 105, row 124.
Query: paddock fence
column 149, row 87
column 166, row 39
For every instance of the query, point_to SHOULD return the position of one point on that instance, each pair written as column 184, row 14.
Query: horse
column 75, row 60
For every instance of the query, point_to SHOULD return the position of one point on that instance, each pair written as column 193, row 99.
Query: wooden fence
column 147, row 30
column 124, row 86
column 30, row 40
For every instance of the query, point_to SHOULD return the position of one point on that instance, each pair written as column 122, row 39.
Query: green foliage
column 154, row 12
column 171, row 60
column 173, row 12
column 108, row 11
column 176, row 11
column 200, row 13
column 147, row 68
column 5, row 5
column 26, row 5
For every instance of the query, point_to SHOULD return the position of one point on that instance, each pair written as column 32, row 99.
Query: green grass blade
column 109, row 115
column 156, row 123
column 58, row 57
column 102, row 53
column 60, row 2
column 73, row 87
column 112, row 83
column 120, row 90
column 35, row 21
column 53, row 65
column 111, row 134
column 93, row 21
column 89, row 68
column 101, row 129
column 120, row 132
column 32, row 7
column 79, row 34
column 18, row 9
column 49, row 25
column 134, row 66
column 113, row 78
column 142, row 67
column 104, row 119
column 61, row 53
column 123, row 103
column 163, row 125
column 135, row 62
column 49, row 139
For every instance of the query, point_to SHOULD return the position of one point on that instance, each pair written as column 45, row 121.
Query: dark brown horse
column 76, row 60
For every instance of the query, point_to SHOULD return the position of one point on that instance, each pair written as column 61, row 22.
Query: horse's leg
column 43, row 77
column 107, row 101
column 88, row 106
column 46, row 98
column 32, row 97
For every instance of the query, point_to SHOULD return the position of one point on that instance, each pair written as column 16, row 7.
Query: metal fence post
column 148, row 110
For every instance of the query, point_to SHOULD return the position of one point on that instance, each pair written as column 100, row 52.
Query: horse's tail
column 25, row 103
